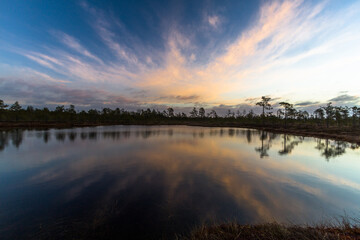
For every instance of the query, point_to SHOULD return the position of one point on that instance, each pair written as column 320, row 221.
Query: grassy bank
column 348, row 134
column 331, row 122
column 274, row 231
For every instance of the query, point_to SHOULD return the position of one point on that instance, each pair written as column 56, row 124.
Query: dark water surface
column 141, row 182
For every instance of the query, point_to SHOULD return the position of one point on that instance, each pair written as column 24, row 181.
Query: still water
column 151, row 182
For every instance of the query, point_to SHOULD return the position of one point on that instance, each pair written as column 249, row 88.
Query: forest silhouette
column 329, row 121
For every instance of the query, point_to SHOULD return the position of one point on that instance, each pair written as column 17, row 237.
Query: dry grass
column 274, row 231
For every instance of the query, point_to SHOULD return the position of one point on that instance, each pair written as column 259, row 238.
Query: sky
column 215, row 54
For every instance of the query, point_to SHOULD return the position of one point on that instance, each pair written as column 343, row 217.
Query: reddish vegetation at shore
column 273, row 231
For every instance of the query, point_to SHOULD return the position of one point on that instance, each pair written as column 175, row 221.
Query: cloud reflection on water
column 178, row 176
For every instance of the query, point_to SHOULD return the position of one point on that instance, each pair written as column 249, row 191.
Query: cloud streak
column 285, row 48
column 74, row 44
column 55, row 94
column 345, row 99
column 214, row 21
column 277, row 30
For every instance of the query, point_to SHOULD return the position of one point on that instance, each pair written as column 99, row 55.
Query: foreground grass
column 274, row 231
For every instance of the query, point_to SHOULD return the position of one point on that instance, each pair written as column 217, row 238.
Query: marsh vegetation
column 275, row 231
column 334, row 122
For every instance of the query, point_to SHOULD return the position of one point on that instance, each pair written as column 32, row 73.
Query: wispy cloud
column 29, row 74
column 40, row 60
column 79, row 69
column 74, row 44
column 280, row 27
column 345, row 99
column 103, row 28
column 306, row 104
column 214, row 21
column 55, row 94
column 287, row 46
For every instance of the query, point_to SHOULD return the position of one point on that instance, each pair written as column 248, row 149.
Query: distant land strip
column 347, row 134
column 341, row 123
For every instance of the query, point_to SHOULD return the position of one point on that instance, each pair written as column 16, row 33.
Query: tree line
column 287, row 115
column 325, row 115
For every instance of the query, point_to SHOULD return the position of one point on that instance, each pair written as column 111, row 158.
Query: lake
column 151, row 182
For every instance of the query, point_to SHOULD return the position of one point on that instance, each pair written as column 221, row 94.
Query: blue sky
column 216, row 54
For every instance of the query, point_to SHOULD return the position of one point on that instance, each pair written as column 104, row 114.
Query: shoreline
column 274, row 231
column 338, row 134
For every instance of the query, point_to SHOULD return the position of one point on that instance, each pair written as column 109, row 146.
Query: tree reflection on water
column 112, row 180
column 331, row 149
column 328, row 148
